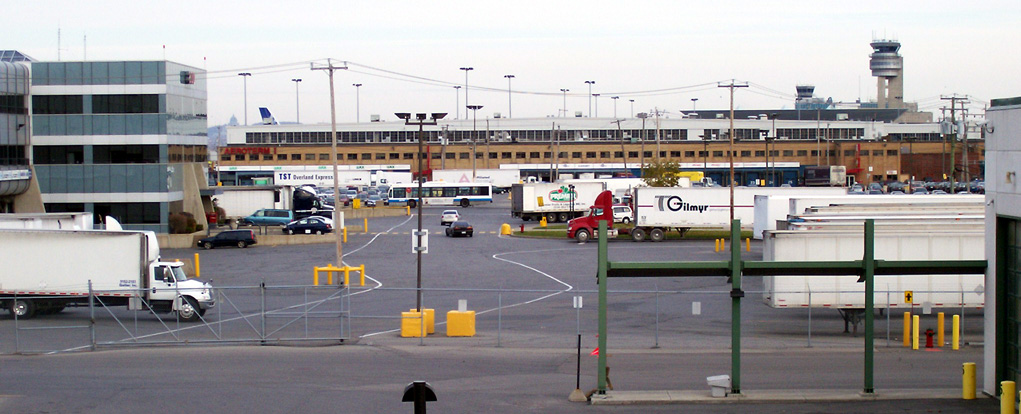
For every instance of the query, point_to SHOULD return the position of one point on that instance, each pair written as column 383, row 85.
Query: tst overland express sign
column 676, row 203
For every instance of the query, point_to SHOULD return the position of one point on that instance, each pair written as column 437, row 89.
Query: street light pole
column 358, row 102
column 245, row 75
column 632, row 107
column 596, row 96
column 457, row 102
column 474, row 109
column 420, row 121
column 564, row 91
column 590, row 83
column 297, row 101
column 693, row 101
column 509, row 77
column 466, row 69
column 615, row 98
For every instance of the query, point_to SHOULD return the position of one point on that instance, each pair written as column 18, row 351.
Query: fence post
column 17, row 338
column 262, row 289
column 656, row 346
column 499, row 317
column 810, row 317
column 92, row 318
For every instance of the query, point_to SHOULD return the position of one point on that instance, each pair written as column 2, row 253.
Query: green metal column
column 870, row 298
column 735, row 306
column 601, row 280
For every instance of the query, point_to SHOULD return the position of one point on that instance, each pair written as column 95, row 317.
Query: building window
column 606, row 154
column 281, row 157
column 864, row 153
column 891, row 153
column 746, row 153
column 408, row 156
column 366, row 156
column 687, row 154
column 849, row 153
column 760, row 153
column 451, row 155
column 125, row 104
column 717, row 153
column 435, row 156
column 576, row 154
column 324, row 157
column 505, row 155
column 535, row 154
column 58, row 154
column 380, row 155
column 395, row 156
column 352, row 157
column 519, row 155
column 634, row 154
column 803, row 153
column 56, row 104
column 127, row 154
column 237, row 157
column 267, row 157
column 295, row 157
column 492, row 155
column 590, row 154
column 788, row 153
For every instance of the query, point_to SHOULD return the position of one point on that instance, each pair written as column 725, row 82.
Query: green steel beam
column 601, row 274
column 735, row 306
column 870, row 300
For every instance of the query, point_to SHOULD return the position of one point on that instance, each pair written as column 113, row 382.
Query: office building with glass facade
column 18, row 191
column 125, row 139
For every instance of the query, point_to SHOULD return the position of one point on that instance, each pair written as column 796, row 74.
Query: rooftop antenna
column 85, row 47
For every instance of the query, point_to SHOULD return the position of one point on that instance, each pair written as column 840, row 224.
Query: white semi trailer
column 45, row 271
column 533, row 201
column 932, row 242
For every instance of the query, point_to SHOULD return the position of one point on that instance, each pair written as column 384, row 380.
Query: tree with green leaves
column 661, row 173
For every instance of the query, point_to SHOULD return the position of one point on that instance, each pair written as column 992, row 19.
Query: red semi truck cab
column 584, row 228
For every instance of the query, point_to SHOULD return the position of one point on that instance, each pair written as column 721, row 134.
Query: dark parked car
column 460, row 228
column 239, row 238
column 309, row 225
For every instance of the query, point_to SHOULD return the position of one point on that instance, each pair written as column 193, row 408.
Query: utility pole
column 657, row 135
column 329, row 68
column 953, row 122
column 731, row 86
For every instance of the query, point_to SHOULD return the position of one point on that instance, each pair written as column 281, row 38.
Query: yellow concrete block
column 461, row 323
column 411, row 325
column 430, row 320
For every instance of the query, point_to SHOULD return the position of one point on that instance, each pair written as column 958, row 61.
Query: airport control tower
column 888, row 67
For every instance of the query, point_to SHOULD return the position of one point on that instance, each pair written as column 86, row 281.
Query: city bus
column 442, row 194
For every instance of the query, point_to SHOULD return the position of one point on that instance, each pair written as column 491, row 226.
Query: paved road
column 521, row 360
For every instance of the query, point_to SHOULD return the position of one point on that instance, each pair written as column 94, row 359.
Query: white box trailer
column 46, row 270
column 493, row 176
column 772, row 207
column 51, row 221
column 533, row 201
column 844, row 292
column 242, row 201
column 707, row 206
column 390, row 178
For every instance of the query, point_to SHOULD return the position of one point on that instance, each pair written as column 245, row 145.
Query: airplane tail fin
column 267, row 118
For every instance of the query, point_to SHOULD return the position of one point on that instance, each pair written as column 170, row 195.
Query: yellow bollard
column 542, row 222
column 968, row 381
column 914, row 332
column 408, row 212
column 198, row 272
column 940, row 325
column 723, row 245
column 747, row 244
column 716, row 248
column 345, row 235
column 956, row 342
column 505, row 229
column 365, row 224
column 1007, row 402
column 907, row 329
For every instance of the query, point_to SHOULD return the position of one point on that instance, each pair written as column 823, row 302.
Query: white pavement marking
column 497, row 257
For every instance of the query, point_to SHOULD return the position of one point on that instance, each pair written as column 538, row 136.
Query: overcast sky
column 662, row 54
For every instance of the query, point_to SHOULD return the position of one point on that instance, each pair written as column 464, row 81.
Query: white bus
column 442, row 194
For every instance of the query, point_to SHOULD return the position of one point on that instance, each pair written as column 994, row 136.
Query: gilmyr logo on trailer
column 675, row 203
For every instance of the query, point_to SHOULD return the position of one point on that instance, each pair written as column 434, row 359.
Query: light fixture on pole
column 358, row 102
column 466, row 69
column 509, row 77
column 474, row 109
column 245, row 75
column 420, row 120
column 596, row 96
column 564, row 91
column 615, row 98
column 297, row 101
column 590, row 83
column 693, row 101
column 632, row 107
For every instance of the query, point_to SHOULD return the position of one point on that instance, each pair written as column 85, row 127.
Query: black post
column 577, row 376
